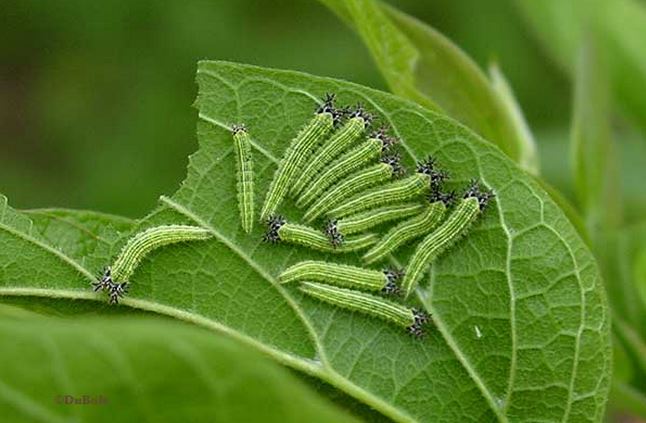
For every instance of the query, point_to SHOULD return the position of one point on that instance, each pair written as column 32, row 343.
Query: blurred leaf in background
column 421, row 64
column 618, row 27
column 143, row 369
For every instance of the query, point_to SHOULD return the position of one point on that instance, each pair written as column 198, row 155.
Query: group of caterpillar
column 330, row 178
column 337, row 180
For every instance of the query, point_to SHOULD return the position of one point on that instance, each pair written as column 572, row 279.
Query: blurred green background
column 95, row 96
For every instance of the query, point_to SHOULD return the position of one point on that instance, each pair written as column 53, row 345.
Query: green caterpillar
column 137, row 247
column 343, row 275
column 412, row 320
column 455, row 226
column 294, row 158
column 244, row 163
column 279, row 230
column 369, row 150
column 339, row 142
column 412, row 228
column 359, row 181
column 405, row 189
column 368, row 219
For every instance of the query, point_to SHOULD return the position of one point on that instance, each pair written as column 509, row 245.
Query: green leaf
column 147, row 369
column 561, row 27
column 27, row 256
column 88, row 237
column 521, row 320
column 421, row 64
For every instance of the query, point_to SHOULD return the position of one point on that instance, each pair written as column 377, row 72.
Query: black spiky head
column 394, row 160
column 438, row 177
column 448, row 198
column 332, row 232
column 274, row 223
column 238, row 127
column 329, row 106
column 416, row 331
column 420, row 319
column 331, row 227
column 360, row 112
column 117, row 290
column 104, row 280
column 392, row 274
column 387, row 141
column 429, row 167
column 474, row 190
column 420, row 316
column 391, row 287
column 426, row 166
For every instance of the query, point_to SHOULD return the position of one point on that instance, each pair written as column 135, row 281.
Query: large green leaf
column 521, row 323
column 146, row 369
column 421, row 64
column 88, row 237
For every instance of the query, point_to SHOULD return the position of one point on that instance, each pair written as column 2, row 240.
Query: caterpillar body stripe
column 453, row 228
column 424, row 181
column 368, row 219
column 343, row 275
column 294, row 158
column 136, row 248
column 408, row 230
column 330, row 149
column 280, row 231
column 359, row 181
column 412, row 320
column 244, row 185
column 349, row 162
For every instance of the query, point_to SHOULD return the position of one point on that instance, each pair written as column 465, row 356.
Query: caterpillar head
column 238, row 127
column 474, row 190
column 420, row 316
column 117, row 290
column 359, row 112
column 428, row 167
column 333, row 234
column 420, row 319
column 274, row 223
column 104, row 280
column 329, row 106
column 448, row 198
column 394, row 160
column 387, row 141
column 392, row 276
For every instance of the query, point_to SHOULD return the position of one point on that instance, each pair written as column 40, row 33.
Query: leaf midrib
column 320, row 369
